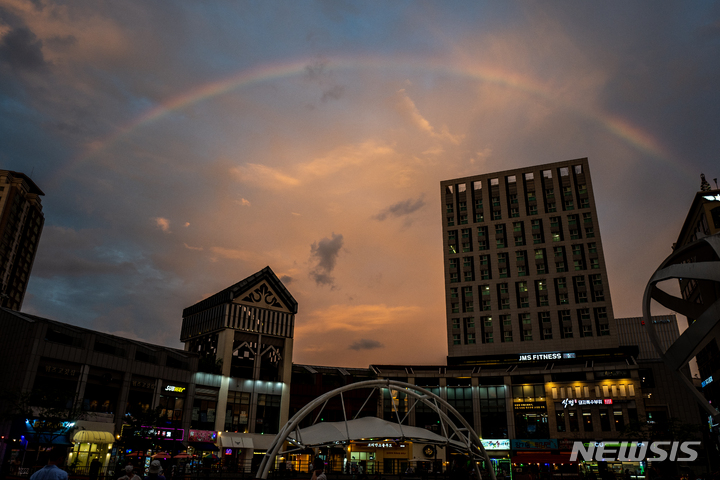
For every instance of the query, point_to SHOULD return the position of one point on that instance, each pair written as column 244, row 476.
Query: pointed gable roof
column 231, row 293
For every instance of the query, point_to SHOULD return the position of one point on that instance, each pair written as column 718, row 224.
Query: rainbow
column 619, row 127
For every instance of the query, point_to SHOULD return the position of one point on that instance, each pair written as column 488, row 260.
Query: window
column 587, row 330
column 485, row 289
column 469, row 276
column 592, row 247
column 482, row 245
column 453, row 263
column 587, row 421
column 484, row 259
column 503, row 288
column 596, row 280
column 506, row 320
column 539, row 254
column 574, row 234
column 547, row 173
column 604, row 420
column 577, row 249
column 560, row 419
column 504, row 304
column 477, row 185
column 479, row 217
column 529, row 176
column 522, row 287
column 478, row 203
column 579, row 265
column 469, row 307
column 598, row 296
column 486, row 305
column 541, row 269
column 449, row 208
column 564, row 171
column 560, row 267
column 507, row 335
column 594, row 263
column 569, row 205
column 453, row 293
column 513, row 198
column 466, row 247
column 578, row 169
column 495, row 201
column 451, row 221
column 455, row 307
column 456, row 323
column 520, row 256
column 485, row 274
column 551, row 207
column 456, row 339
column 579, row 281
column 561, row 283
column 525, row 319
column 465, row 233
column 536, row 224
column 567, row 332
column 604, row 329
column 584, row 203
column 587, row 217
column 531, row 196
column 582, row 297
column 497, row 215
column 454, row 278
column 567, row 191
column 463, row 220
column 503, row 272
column 556, row 237
column 517, row 226
column 589, row 232
column 487, row 321
column 544, row 317
column 537, row 238
column 461, row 187
column 519, row 240
column 488, row 337
column 462, row 206
column 547, row 334
column 563, row 299
column 467, row 261
column 471, row 338
column 600, row 313
column 533, row 210
column 514, row 213
column 467, row 291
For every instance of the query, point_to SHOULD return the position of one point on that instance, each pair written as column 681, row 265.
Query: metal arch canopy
column 707, row 316
column 466, row 437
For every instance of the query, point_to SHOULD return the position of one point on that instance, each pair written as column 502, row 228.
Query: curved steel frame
column 707, row 317
column 470, row 439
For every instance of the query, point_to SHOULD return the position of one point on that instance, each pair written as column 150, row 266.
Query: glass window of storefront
column 268, row 414
column 587, row 420
column 203, row 414
column 461, row 400
column 492, row 411
column 573, row 420
column 425, row 416
column 172, row 408
column 604, row 420
column 238, row 409
column 560, row 419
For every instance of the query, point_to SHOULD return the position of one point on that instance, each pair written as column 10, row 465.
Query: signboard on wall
column 535, row 444
column 209, row 436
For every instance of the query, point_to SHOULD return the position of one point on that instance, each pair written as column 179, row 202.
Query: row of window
column 519, row 235
column 564, row 197
column 580, row 262
column 466, row 332
column 522, row 293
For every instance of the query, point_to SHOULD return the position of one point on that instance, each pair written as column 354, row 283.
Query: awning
column 235, row 440
column 541, row 458
column 93, row 436
column 203, row 446
column 327, row 433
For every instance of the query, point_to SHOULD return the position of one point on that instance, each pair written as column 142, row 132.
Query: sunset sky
column 183, row 146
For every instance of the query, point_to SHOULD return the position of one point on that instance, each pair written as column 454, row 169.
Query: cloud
column 400, row 209
column 192, row 248
column 407, row 107
column 22, row 50
column 365, row 344
column 333, row 93
column 232, row 253
column 325, row 252
column 187, row 224
column 244, row 203
column 264, row 175
column 163, row 224
column 286, row 279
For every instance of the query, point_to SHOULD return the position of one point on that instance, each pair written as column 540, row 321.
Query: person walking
column 52, row 470
column 129, row 473
column 94, row 471
column 155, row 471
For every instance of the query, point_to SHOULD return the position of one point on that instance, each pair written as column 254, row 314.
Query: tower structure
column 245, row 334
column 21, row 223
column 524, row 264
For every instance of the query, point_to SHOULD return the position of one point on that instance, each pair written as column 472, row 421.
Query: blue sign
column 707, row 381
column 535, row 444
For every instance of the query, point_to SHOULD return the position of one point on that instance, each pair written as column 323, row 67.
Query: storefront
column 532, row 457
column 499, row 452
column 89, row 445
column 387, row 457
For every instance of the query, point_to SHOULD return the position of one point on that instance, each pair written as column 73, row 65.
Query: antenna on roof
column 704, row 185
column 716, row 185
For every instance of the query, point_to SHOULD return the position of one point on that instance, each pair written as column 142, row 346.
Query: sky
column 183, row 146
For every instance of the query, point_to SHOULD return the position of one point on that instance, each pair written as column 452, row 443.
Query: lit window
column 522, row 287
column 539, row 253
column 485, row 289
column 564, row 171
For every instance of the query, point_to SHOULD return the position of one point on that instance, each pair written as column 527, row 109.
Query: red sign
column 607, row 401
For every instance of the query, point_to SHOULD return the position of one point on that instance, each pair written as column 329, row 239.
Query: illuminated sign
column 170, row 388
column 209, row 436
column 571, row 402
column 540, row 444
column 385, row 445
column 534, row 357
column 707, row 381
column 716, row 198
column 502, row 444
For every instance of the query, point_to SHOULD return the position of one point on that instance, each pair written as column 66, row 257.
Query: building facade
column 21, row 223
column 524, row 264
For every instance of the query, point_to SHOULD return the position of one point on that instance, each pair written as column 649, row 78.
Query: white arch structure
column 707, row 317
column 465, row 435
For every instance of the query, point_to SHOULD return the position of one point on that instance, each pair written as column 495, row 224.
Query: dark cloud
column 400, row 209
column 315, row 70
column 286, row 279
column 22, row 50
column 333, row 93
column 325, row 253
column 365, row 344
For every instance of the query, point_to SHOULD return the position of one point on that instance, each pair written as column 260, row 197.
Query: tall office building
column 524, row 264
column 21, row 222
